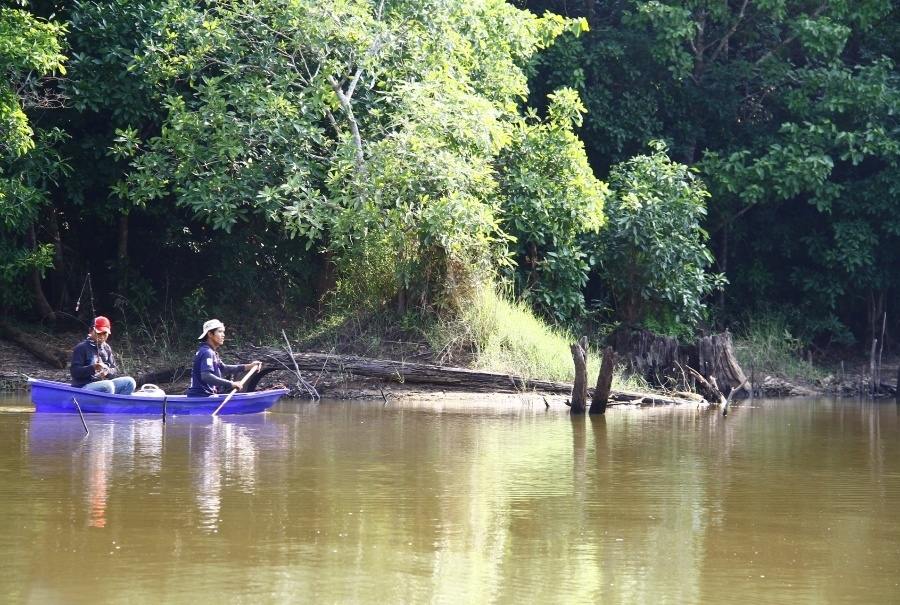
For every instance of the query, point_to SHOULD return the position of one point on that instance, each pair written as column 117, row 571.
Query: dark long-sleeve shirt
column 82, row 366
column 207, row 371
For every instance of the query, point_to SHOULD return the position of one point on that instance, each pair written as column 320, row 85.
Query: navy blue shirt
column 83, row 357
column 207, row 371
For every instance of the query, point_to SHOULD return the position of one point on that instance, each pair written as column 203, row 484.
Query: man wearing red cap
column 93, row 365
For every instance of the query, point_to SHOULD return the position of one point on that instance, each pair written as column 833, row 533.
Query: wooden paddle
column 233, row 391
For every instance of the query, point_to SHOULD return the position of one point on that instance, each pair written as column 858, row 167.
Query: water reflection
column 122, row 454
column 98, row 460
column 782, row 502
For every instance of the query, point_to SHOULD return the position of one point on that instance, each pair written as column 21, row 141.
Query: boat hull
column 49, row 396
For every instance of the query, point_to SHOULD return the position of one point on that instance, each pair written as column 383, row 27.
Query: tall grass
column 766, row 344
column 493, row 333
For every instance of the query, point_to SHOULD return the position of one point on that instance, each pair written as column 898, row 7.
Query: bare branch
column 723, row 42
column 821, row 8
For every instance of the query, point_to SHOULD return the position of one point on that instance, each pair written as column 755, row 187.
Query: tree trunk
column 653, row 357
column 604, row 382
column 723, row 264
column 40, row 300
column 579, row 389
column 715, row 358
column 662, row 361
column 327, row 279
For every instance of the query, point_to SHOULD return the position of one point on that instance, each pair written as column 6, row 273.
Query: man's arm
column 82, row 367
column 112, row 371
column 232, row 370
column 212, row 380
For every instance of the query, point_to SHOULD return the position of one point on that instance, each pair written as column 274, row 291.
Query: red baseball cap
column 101, row 324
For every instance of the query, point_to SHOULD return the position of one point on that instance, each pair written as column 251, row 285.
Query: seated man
column 207, row 371
column 93, row 365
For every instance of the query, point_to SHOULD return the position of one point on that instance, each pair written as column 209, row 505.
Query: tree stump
column 604, row 382
column 655, row 358
column 579, row 388
column 715, row 358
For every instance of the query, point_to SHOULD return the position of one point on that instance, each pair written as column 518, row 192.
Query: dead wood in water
column 604, row 382
column 45, row 352
column 716, row 359
column 708, row 387
column 660, row 359
column 579, row 388
column 429, row 375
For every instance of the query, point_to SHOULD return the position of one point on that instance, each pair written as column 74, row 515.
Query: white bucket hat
column 212, row 324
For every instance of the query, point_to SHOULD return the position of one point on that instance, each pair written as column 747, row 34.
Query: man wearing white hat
column 208, row 370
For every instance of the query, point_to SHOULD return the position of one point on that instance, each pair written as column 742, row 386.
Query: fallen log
column 445, row 377
column 709, row 388
column 166, row 376
column 45, row 352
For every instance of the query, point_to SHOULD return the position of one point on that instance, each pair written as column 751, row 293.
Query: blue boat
column 50, row 396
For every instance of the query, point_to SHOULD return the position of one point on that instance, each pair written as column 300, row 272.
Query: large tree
column 789, row 111
column 369, row 129
column 30, row 49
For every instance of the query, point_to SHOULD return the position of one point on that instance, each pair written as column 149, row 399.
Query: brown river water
column 359, row 502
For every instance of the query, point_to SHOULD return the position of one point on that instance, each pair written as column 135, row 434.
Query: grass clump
column 766, row 344
column 493, row 333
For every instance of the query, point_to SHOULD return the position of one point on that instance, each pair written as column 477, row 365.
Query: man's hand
column 236, row 385
column 256, row 363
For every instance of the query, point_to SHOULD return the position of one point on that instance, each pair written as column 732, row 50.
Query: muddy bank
column 336, row 379
column 17, row 363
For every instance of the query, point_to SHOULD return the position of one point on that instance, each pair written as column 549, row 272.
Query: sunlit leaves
column 336, row 121
column 653, row 251
column 27, row 44
column 551, row 199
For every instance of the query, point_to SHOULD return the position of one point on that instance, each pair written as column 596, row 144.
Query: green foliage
column 29, row 49
column 23, row 197
column 766, row 344
column 551, row 199
column 103, row 36
column 653, row 253
column 495, row 334
column 788, row 110
column 370, row 130
column 27, row 44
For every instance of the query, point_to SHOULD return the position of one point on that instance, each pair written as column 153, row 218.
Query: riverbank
column 137, row 359
column 335, row 376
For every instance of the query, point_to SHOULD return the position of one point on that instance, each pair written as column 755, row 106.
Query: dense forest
column 671, row 164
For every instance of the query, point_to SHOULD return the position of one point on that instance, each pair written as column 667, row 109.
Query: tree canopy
column 789, row 112
column 375, row 153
